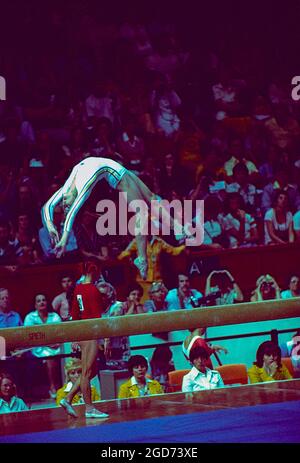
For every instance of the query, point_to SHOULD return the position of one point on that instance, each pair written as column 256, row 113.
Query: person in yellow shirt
column 139, row 385
column 268, row 365
column 155, row 247
column 73, row 371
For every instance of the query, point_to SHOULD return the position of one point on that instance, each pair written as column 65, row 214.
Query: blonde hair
column 70, row 365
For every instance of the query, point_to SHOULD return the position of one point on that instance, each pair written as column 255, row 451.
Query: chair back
column 233, row 373
column 175, row 379
column 287, row 362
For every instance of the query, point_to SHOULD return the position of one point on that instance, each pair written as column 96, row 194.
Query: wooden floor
column 152, row 407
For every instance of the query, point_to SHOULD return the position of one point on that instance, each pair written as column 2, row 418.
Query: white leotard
column 84, row 176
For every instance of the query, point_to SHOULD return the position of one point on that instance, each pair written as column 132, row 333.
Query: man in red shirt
column 87, row 303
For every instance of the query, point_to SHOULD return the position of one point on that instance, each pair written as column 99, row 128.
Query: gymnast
column 78, row 188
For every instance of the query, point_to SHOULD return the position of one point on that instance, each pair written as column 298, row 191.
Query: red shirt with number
column 87, row 302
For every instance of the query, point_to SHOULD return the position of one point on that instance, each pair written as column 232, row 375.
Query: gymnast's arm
column 71, row 215
column 47, row 214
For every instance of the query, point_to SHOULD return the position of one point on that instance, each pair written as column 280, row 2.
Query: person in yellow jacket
column 73, row 371
column 268, row 365
column 138, row 385
column 155, row 247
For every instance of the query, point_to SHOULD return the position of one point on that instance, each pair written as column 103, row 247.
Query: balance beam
column 128, row 325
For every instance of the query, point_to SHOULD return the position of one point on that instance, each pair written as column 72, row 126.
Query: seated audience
column 294, row 288
column 280, row 182
column 267, row 366
column 200, row 377
column 9, row 401
column 10, row 253
column 279, row 221
column 139, row 385
column 222, row 286
column 266, row 288
column 73, row 371
column 183, row 297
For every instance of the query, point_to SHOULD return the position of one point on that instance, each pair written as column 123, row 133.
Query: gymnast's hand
column 60, row 248
column 54, row 236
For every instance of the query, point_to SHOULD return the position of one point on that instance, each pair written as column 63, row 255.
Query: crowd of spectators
column 192, row 123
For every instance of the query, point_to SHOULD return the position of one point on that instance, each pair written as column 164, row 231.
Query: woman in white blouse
column 200, row 377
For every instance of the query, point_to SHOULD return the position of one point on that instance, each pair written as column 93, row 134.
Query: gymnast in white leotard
column 78, row 188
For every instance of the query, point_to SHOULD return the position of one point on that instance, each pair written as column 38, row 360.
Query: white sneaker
column 94, row 413
column 142, row 265
column 68, row 408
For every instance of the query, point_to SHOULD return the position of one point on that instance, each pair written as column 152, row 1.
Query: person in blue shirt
column 8, row 318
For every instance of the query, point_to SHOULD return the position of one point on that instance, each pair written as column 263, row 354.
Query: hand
column 219, row 349
column 60, row 247
column 54, row 236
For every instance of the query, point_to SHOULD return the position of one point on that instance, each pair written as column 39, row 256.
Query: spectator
column 133, row 303
column 60, row 303
column 236, row 156
column 240, row 226
column 267, row 366
column 172, row 177
column 40, row 316
column 222, row 285
column 8, row 318
column 291, row 349
column 73, row 371
column 131, row 146
column 165, row 103
column 138, row 385
column 215, row 236
column 266, row 288
column 155, row 249
column 161, row 364
column 283, row 127
column 183, row 297
column 10, row 253
column 9, row 401
column 157, row 293
column 294, row 288
column 45, row 239
column 280, row 182
column 26, row 237
column 279, row 221
column 242, row 186
column 200, row 377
